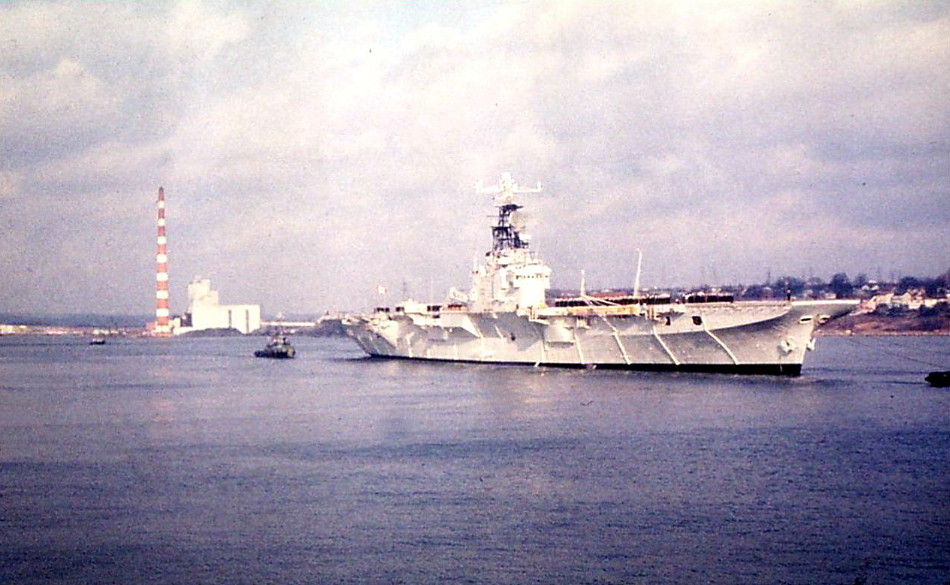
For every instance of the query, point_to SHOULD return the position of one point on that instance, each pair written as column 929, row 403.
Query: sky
column 311, row 151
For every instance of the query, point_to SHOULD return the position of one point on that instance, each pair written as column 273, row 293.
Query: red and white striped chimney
column 162, row 326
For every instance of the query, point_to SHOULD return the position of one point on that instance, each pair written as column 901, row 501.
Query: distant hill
column 76, row 320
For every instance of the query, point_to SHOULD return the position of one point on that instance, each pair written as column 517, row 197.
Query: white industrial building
column 205, row 311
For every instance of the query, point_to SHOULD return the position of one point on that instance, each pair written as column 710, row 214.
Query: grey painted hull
column 770, row 337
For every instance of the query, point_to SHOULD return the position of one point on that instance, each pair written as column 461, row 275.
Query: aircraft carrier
column 506, row 318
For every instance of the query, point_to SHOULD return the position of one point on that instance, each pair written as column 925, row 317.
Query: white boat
column 507, row 319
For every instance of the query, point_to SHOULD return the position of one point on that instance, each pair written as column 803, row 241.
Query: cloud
column 312, row 150
column 197, row 32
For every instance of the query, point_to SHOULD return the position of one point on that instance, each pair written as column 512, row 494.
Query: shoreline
column 850, row 333
column 97, row 332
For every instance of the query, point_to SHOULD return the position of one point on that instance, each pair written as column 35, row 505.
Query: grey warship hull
column 743, row 337
column 506, row 318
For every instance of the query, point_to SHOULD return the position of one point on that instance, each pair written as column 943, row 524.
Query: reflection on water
column 189, row 461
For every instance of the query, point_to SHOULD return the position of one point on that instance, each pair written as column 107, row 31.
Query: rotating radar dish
column 518, row 221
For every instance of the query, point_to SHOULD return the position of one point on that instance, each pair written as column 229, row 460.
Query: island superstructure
column 506, row 318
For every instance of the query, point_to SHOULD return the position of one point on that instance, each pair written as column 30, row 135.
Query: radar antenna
column 506, row 233
column 506, row 190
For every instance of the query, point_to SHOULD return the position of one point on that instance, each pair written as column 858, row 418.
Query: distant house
column 912, row 300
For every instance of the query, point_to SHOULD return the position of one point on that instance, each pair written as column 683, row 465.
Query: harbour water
column 190, row 461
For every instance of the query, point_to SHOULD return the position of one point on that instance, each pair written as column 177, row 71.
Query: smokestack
column 162, row 326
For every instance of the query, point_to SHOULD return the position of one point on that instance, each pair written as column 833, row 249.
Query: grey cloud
column 348, row 136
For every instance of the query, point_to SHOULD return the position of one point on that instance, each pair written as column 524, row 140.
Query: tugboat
column 278, row 347
column 938, row 379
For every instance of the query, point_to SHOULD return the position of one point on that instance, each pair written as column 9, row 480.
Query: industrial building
column 206, row 312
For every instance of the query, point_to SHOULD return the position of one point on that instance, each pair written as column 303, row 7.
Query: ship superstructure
column 512, row 277
column 507, row 318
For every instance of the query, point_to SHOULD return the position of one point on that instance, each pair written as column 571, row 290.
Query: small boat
column 938, row 379
column 97, row 341
column 278, row 347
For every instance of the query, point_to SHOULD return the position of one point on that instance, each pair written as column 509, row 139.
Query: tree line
column 843, row 287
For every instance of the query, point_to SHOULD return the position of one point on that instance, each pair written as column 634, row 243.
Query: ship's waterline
column 507, row 319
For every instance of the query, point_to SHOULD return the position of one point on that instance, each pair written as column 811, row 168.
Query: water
column 188, row 461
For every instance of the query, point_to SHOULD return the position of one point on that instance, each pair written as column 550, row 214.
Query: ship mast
column 506, row 233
